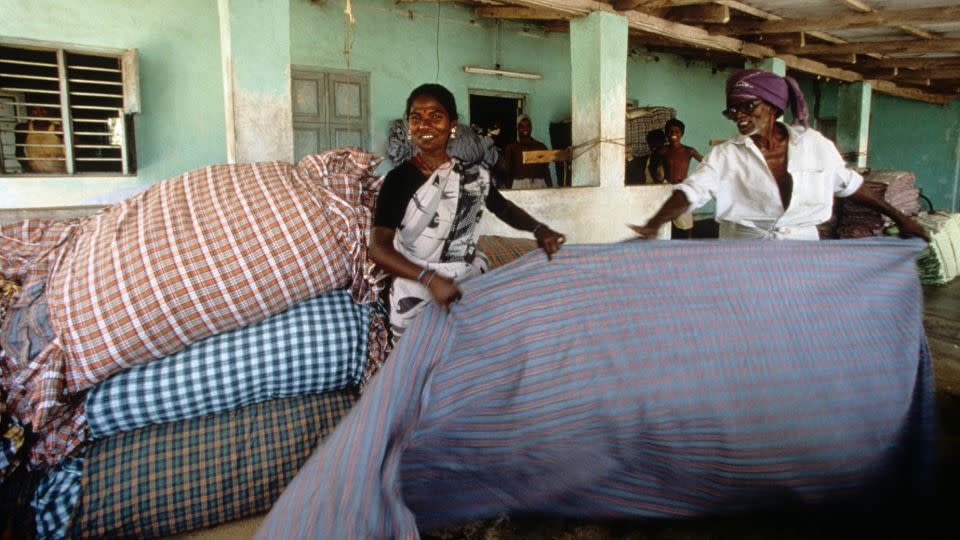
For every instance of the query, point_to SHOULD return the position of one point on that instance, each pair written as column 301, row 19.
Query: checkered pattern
column 176, row 477
column 641, row 121
column 55, row 499
column 197, row 255
column 315, row 346
column 499, row 250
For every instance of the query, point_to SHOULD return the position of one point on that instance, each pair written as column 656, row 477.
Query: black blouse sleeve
column 496, row 202
column 395, row 194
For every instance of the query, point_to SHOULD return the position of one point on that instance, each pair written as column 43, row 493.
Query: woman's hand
column 444, row 290
column 643, row 231
column 549, row 239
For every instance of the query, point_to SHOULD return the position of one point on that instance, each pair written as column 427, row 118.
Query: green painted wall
column 181, row 125
column 402, row 45
column 919, row 137
column 696, row 90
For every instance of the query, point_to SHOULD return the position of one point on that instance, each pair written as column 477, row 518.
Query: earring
column 409, row 136
column 453, row 132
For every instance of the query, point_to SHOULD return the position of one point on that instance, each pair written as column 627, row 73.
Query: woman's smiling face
column 429, row 124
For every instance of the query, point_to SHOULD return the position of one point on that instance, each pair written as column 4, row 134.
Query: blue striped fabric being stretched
column 644, row 379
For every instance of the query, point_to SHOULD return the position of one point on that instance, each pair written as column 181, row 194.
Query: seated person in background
column 40, row 149
column 675, row 158
column 526, row 176
column 428, row 212
column 644, row 169
column 761, row 189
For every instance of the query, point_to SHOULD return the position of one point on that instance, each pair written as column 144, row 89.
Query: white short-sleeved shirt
column 748, row 199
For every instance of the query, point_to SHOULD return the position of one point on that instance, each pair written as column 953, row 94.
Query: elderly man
column 772, row 180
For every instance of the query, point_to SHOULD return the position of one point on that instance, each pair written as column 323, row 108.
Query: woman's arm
column 908, row 227
column 381, row 251
column 671, row 209
column 547, row 238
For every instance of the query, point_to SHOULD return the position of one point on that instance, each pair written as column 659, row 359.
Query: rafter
column 871, row 19
column 521, row 13
column 910, row 63
column 906, row 46
column 698, row 37
column 857, row 5
column 626, row 5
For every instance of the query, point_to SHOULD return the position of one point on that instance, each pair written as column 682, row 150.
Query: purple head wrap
column 770, row 87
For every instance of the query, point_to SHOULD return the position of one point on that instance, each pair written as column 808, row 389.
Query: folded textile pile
column 802, row 377
column 176, row 477
column 212, row 250
column 895, row 187
column 940, row 262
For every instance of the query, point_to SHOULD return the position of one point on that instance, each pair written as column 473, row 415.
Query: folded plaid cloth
column 55, row 499
column 171, row 478
column 315, row 346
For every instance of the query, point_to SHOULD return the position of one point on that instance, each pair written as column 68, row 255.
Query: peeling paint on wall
column 264, row 126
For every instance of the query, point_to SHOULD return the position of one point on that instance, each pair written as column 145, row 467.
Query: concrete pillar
column 256, row 79
column 598, row 56
column 772, row 64
column 853, row 122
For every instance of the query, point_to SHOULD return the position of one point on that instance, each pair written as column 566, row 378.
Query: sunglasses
column 747, row 107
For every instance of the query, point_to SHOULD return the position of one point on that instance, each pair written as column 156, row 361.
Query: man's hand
column 644, row 231
column 910, row 228
column 549, row 239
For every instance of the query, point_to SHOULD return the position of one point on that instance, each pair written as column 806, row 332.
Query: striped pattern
column 180, row 476
column 204, row 253
column 315, row 346
column 777, row 372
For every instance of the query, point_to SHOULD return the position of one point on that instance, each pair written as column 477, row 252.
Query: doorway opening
column 488, row 110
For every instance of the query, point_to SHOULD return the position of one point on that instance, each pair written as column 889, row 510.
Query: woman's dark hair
column 437, row 92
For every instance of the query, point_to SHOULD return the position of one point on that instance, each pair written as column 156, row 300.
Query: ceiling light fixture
column 504, row 72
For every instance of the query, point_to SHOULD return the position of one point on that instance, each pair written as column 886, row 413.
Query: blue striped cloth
column 645, row 379
column 315, row 346
column 55, row 499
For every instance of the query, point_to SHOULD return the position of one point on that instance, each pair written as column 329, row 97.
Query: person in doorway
column 523, row 175
column 772, row 180
column 39, row 143
column 675, row 158
column 428, row 212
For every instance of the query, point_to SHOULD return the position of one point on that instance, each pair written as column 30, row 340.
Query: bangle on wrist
column 422, row 273
column 429, row 279
column 537, row 228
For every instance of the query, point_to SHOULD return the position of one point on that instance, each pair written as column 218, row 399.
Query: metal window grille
column 66, row 112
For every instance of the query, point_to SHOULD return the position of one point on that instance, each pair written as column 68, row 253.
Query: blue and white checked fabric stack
column 55, row 498
column 315, row 346
column 662, row 379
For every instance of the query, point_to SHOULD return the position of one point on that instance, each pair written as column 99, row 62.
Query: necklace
column 424, row 166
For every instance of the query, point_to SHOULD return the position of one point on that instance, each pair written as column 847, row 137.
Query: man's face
column 524, row 128
column 674, row 134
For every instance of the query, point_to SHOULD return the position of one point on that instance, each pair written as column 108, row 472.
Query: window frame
column 128, row 62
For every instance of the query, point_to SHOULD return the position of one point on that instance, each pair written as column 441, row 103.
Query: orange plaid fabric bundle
column 209, row 251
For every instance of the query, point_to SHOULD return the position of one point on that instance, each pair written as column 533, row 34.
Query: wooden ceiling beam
column 700, row 14
column 872, row 19
column 910, row 63
column 945, row 73
column 627, row 5
column 686, row 35
column 521, row 13
column 862, row 47
column 857, row 5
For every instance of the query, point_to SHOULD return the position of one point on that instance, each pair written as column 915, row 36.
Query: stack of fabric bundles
column 895, row 187
column 229, row 350
column 940, row 262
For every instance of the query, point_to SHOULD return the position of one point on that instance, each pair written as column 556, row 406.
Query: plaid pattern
column 176, row 477
column 783, row 373
column 641, row 121
column 315, row 346
column 499, row 250
column 193, row 256
column 55, row 499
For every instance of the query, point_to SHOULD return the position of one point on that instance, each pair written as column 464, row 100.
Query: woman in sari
column 426, row 224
